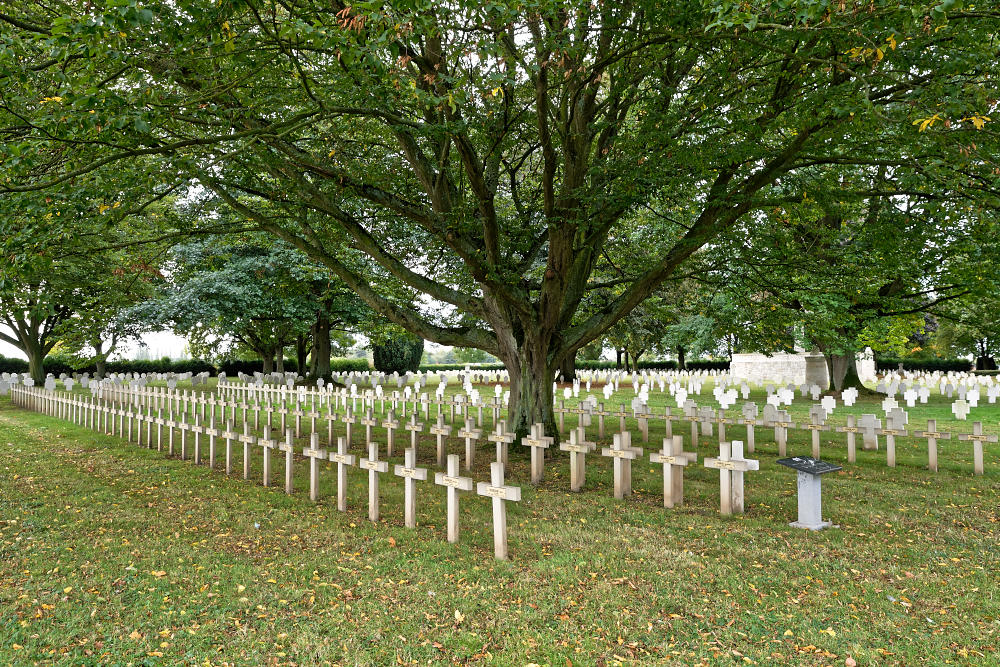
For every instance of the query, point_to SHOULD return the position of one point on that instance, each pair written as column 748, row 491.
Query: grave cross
column 870, row 426
column 267, row 444
column 471, row 435
column 851, row 430
column 349, row 420
column 933, row 435
column 731, row 466
column 415, row 428
column 374, row 468
column 369, row 421
column 578, row 448
column 670, row 457
column 502, row 438
column 289, row 449
column 500, row 493
column 410, row 474
column 960, row 409
column 315, row 455
column 977, row 439
column 441, row 431
column 342, row 459
column 817, row 415
column 391, row 425
column 622, row 453
column 538, row 442
column 212, row 432
column 750, row 421
column 454, row 483
column 895, row 422
column 781, row 424
column 248, row 441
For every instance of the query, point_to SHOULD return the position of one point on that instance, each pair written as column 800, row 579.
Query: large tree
column 486, row 155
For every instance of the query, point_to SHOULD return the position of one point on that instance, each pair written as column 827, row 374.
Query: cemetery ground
column 115, row 554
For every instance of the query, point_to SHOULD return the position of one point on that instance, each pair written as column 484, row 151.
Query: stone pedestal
column 810, row 491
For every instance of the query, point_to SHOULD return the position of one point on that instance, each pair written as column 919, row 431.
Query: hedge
column 58, row 365
column 586, row 365
column 944, row 365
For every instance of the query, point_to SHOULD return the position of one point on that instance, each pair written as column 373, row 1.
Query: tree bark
column 35, row 358
column 681, row 365
column 279, row 361
column 844, row 372
column 268, row 359
column 321, row 346
column 568, row 368
column 301, row 351
column 530, row 390
column 618, row 358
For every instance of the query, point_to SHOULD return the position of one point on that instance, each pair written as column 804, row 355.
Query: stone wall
column 783, row 368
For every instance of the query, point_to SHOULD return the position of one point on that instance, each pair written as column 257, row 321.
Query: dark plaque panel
column 809, row 465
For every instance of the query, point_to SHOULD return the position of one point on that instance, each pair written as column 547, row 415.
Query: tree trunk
column 321, row 346
column 568, row 368
column 625, row 360
column 301, row 351
column 35, row 359
column 844, row 372
column 680, row 358
column 618, row 358
column 100, row 359
column 268, row 359
column 279, row 362
column 530, row 392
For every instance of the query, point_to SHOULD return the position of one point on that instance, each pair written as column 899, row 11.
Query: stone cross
column 691, row 414
column 374, row 468
column 895, row 422
column 578, row 448
column 977, row 439
column 343, row 460
column 471, row 434
column 369, row 421
column 870, row 426
column 932, row 435
column 622, row 453
column 441, row 431
column 817, row 415
column 749, row 420
column 248, row 441
column 391, row 425
column 183, row 426
column 538, row 442
column 851, row 430
column 454, row 483
column 410, row 474
column 415, row 428
column 315, row 455
column 673, row 458
column 601, row 414
column 288, row 447
column 212, row 432
column 197, row 430
column 960, row 409
column 731, row 466
column 500, row 493
column 349, row 420
column 502, row 438
column 781, row 424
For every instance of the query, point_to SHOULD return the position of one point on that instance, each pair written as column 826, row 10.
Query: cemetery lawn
column 112, row 554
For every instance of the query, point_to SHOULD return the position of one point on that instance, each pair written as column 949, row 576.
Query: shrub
column 398, row 355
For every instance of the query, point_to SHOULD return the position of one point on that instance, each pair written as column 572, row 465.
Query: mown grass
column 114, row 554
